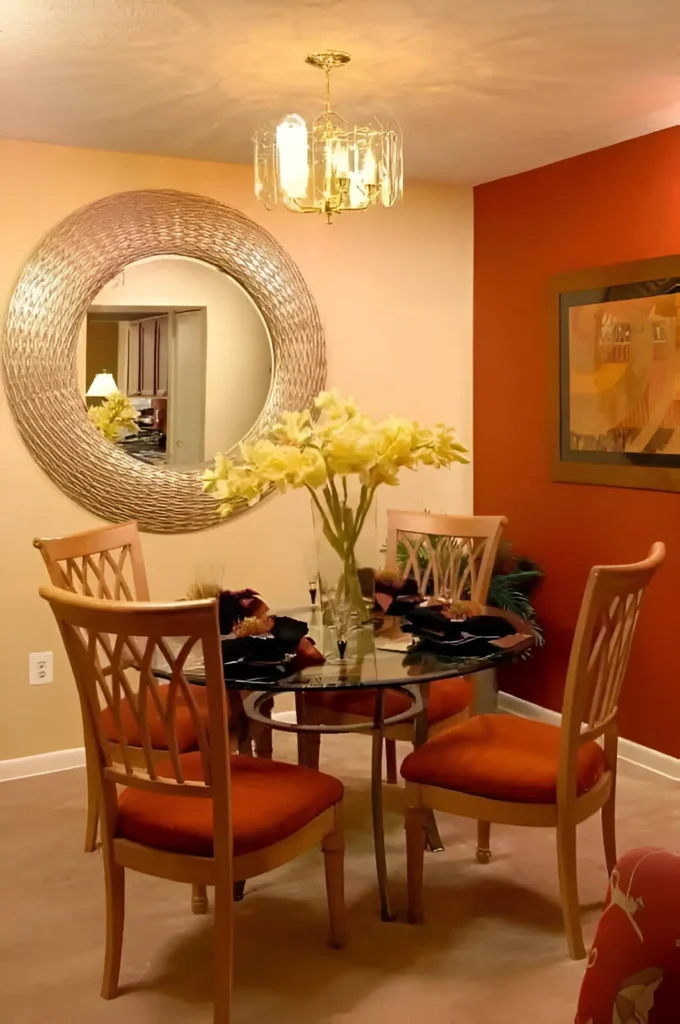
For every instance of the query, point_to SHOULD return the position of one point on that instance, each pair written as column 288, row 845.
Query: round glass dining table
column 377, row 657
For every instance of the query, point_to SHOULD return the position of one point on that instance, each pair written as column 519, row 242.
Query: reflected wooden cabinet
column 163, row 329
column 148, row 357
column 133, row 360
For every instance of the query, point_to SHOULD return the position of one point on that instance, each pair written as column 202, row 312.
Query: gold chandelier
column 328, row 167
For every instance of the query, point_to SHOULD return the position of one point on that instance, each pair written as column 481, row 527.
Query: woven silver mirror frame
column 54, row 292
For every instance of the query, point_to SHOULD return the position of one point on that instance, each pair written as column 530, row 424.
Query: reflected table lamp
column 102, row 386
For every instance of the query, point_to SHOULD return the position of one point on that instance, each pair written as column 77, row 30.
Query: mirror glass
column 188, row 347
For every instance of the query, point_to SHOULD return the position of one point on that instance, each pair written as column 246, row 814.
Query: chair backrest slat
column 145, row 641
column 600, row 654
column 448, row 556
column 106, row 563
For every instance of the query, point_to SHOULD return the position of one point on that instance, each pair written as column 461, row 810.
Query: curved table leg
column 378, row 810
column 310, row 731
column 432, row 837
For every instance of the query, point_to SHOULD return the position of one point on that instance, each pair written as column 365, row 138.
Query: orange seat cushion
column 186, row 732
column 502, row 757
column 448, row 697
column 270, row 801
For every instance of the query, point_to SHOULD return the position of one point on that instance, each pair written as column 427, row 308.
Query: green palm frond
column 505, row 592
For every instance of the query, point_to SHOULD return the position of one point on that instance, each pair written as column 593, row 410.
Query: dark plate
column 431, row 622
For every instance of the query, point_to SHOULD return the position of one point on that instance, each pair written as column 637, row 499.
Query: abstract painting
column 619, row 375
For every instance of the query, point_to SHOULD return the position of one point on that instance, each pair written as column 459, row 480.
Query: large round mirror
column 189, row 348
column 186, row 316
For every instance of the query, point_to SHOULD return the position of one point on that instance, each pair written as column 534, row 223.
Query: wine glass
column 312, row 571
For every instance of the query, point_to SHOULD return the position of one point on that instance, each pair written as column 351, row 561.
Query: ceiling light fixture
column 328, row 167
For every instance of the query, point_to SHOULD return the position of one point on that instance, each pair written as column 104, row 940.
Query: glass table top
column 376, row 655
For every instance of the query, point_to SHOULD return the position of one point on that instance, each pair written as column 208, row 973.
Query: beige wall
column 394, row 289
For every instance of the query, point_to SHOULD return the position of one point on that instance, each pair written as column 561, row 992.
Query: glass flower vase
column 346, row 538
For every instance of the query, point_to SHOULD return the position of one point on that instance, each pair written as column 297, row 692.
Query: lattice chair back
column 115, row 650
column 448, row 556
column 600, row 654
column 106, row 563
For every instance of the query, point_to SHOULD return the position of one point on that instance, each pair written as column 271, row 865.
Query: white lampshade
column 102, row 386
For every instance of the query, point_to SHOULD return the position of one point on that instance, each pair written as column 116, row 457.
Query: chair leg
column 333, row 847
column 312, row 746
column 114, row 880
column 224, row 968
column 483, row 842
column 244, row 745
column 308, row 743
column 263, row 743
column 609, row 832
column 262, row 736
column 571, row 909
column 199, row 899
column 415, row 857
column 92, row 825
column 391, row 761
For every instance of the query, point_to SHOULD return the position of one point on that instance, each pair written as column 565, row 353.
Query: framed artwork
column 615, row 338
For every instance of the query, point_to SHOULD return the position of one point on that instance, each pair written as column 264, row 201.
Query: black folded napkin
column 395, row 596
column 471, row 638
column 289, row 632
column 254, row 656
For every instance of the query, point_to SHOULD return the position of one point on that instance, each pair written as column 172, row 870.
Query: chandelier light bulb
column 291, row 150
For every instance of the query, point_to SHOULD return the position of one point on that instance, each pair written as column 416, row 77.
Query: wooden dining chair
column 514, row 771
column 447, row 556
column 203, row 817
column 108, row 563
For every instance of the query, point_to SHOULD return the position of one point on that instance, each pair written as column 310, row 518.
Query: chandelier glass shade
column 328, row 167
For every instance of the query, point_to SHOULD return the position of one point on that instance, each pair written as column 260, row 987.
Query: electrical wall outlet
column 40, row 668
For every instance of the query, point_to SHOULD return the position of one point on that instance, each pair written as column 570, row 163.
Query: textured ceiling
column 482, row 88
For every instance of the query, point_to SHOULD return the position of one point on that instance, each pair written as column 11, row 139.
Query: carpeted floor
column 491, row 950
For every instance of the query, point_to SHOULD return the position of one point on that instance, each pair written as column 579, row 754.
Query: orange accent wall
column 610, row 206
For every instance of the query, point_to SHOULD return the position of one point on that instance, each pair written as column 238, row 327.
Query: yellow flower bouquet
column 341, row 456
column 113, row 415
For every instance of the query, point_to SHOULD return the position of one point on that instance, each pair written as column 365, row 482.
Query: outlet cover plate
column 40, row 668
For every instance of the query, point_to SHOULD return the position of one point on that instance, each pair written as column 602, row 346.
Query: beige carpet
column 491, row 951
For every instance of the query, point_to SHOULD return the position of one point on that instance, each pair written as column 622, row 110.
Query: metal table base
column 417, row 713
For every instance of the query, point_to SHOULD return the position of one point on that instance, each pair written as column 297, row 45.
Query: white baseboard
column 42, row 764
column 61, row 760
column 645, row 757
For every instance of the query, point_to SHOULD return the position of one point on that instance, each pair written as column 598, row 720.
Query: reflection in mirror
column 189, row 348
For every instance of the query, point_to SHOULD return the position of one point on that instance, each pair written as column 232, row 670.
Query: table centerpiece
column 341, row 456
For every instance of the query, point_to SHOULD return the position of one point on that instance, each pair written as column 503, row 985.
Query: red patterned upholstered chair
column 633, row 972
column 503, row 769
column 452, row 555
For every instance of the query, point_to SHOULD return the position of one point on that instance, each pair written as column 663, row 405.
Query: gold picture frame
column 615, row 360
column 58, row 283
